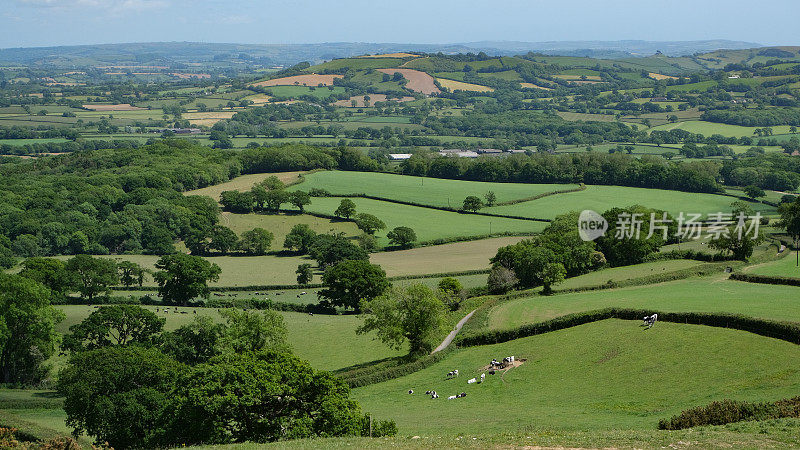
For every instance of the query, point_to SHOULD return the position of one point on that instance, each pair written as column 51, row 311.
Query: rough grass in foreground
column 601, row 376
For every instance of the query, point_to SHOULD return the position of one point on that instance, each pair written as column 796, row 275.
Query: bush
column 729, row 411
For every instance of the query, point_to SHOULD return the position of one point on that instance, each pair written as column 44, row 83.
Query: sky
column 33, row 23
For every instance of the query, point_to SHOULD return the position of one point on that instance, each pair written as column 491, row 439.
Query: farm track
column 453, row 333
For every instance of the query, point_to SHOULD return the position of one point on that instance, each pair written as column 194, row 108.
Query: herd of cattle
column 493, row 367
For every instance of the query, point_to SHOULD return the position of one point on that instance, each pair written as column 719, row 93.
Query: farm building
column 460, row 154
column 491, row 151
column 399, row 156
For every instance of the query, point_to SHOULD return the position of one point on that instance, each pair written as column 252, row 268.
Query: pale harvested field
column 454, row 257
column 390, row 55
column 209, row 115
column 373, row 98
column 578, row 77
column 417, row 81
column 120, row 107
column 658, row 76
column 454, row 85
column 242, row 183
column 534, row 86
column 300, row 80
column 204, row 122
column 258, row 99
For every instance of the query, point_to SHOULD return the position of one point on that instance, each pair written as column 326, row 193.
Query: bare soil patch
column 300, row 80
column 417, row 81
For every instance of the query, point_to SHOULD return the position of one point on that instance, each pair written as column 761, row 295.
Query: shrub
column 729, row 411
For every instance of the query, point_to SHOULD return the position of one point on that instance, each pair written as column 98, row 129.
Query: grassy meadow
column 327, row 342
column 606, row 375
column 708, row 294
column 429, row 224
column 602, row 198
column 427, row 191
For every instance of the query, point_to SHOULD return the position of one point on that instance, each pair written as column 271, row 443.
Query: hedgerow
column 729, row 411
column 786, row 331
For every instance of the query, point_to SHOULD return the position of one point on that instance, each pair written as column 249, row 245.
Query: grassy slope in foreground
column 708, row 294
column 426, row 191
column 609, row 374
column 327, row 342
column 603, row 198
column 429, row 224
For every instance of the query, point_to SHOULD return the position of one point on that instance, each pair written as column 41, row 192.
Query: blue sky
column 26, row 23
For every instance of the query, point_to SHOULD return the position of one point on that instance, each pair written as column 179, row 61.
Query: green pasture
column 602, row 198
column 281, row 224
column 427, row 191
column 707, row 294
column 783, row 267
column 607, row 375
column 621, row 274
column 327, row 342
column 429, row 224
column 32, row 141
column 709, row 128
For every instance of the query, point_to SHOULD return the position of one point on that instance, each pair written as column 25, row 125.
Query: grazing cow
column 483, row 377
column 303, row 293
column 491, row 372
column 410, row 391
column 649, row 321
column 434, row 395
column 452, row 397
column 463, row 394
column 311, row 314
column 472, row 380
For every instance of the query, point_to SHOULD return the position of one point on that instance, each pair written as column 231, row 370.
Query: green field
column 327, row 342
column 429, row 224
column 620, row 274
column 427, row 191
column 299, row 91
column 605, row 375
column 784, row 267
column 709, row 128
column 603, row 198
column 281, row 224
column 708, row 294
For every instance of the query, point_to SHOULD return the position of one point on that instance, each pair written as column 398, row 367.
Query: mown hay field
column 461, row 86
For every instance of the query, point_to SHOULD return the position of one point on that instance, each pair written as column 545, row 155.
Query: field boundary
column 785, row 331
column 440, row 208
column 272, row 287
column 765, row 279
column 581, row 187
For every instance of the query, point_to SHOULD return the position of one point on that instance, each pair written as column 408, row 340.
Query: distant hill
column 176, row 53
